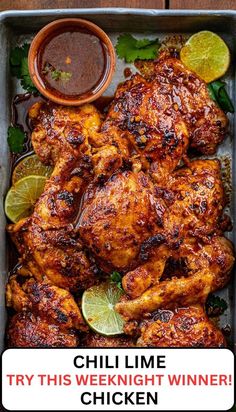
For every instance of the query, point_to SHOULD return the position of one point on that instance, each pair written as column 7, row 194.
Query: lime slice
column 207, row 55
column 30, row 165
column 22, row 197
column 98, row 307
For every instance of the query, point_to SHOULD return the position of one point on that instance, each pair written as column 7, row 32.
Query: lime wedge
column 30, row 165
column 207, row 55
column 98, row 308
column 22, row 196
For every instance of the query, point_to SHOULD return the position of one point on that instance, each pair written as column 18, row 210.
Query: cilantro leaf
column 16, row 56
column 56, row 74
column 15, row 139
column 116, row 278
column 19, row 67
column 215, row 306
column 219, row 94
column 60, row 75
column 131, row 49
column 26, row 81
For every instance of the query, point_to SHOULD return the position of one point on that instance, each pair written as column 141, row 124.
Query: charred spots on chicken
column 166, row 194
column 175, row 267
column 61, row 316
column 66, row 196
column 170, row 141
column 74, row 138
column 150, row 243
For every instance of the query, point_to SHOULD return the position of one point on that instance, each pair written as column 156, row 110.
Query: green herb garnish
column 219, row 94
column 60, row 75
column 15, row 139
column 131, row 49
column 215, row 306
column 117, row 278
column 19, row 67
column 56, row 74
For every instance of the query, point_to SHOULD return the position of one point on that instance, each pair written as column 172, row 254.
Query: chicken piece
column 25, row 330
column 210, row 268
column 56, row 253
column 195, row 200
column 193, row 204
column 184, row 93
column 156, row 133
column 165, row 112
column 93, row 340
column 54, row 304
column 117, row 217
column 185, row 327
column 136, row 281
column 47, row 241
column 61, row 129
column 16, row 298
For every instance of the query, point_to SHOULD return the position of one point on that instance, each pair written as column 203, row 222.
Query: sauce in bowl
column 71, row 61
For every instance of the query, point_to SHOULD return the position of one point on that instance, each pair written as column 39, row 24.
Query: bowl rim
column 46, row 31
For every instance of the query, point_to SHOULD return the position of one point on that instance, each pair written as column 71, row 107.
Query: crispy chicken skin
column 119, row 200
column 192, row 205
column 210, row 267
column 157, row 138
column 185, row 327
column 184, row 94
column 117, row 217
column 46, row 300
column 26, row 330
column 47, row 241
column 93, row 340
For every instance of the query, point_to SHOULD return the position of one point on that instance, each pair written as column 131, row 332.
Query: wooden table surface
column 146, row 4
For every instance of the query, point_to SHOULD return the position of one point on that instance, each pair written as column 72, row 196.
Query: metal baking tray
column 19, row 26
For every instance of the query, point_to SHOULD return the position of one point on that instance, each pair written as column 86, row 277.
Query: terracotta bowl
column 41, row 38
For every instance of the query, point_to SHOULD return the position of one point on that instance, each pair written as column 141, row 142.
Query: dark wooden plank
column 203, row 4
column 60, row 4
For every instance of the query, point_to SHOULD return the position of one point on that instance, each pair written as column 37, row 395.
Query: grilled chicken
column 47, row 241
column 182, row 93
column 185, row 327
column 191, row 208
column 48, row 301
column 30, row 331
column 94, row 340
column 119, row 200
column 117, row 217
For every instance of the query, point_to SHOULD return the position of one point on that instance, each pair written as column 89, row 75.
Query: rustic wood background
column 146, row 4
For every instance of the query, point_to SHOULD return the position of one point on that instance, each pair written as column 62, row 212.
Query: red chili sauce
column 73, row 63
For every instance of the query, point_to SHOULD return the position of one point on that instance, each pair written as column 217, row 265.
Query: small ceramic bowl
column 47, row 32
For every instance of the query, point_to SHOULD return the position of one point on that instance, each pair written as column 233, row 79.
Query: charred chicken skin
column 185, row 327
column 119, row 200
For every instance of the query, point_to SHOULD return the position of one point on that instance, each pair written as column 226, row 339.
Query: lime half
column 207, row 55
column 30, row 165
column 22, row 196
column 98, row 308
